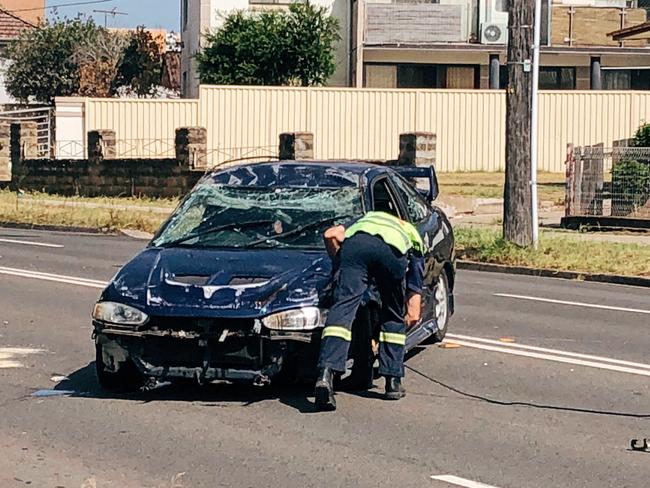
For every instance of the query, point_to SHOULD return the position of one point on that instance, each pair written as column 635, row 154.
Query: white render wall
column 204, row 15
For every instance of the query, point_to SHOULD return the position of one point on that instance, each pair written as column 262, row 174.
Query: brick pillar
column 417, row 149
column 5, row 152
column 192, row 147
column 296, row 146
column 101, row 145
column 24, row 145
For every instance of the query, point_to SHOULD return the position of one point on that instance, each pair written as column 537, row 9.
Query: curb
column 550, row 273
column 57, row 228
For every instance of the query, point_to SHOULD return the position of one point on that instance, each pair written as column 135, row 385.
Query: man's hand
column 334, row 237
column 413, row 310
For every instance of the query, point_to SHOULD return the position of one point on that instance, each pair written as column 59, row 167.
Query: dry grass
column 36, row 210
column 490, row 185
column 557, row 253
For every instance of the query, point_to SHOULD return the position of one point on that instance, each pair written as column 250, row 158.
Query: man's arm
column 414, row 283
column 334, row 237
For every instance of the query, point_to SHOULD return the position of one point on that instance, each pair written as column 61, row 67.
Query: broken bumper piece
column 238, row 357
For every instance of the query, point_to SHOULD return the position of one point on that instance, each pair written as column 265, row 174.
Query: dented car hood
column 191, row 282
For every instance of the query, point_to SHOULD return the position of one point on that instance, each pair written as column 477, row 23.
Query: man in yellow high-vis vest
column 379, row 247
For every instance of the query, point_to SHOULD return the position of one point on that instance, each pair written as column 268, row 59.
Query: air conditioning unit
column 494, row 33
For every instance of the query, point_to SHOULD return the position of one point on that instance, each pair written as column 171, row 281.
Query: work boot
column 324, row 391
column 394, row 388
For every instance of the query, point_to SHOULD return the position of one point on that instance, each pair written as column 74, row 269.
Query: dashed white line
column 455, row 480
column 30, row 243
column 573, row 304
column 72, row 280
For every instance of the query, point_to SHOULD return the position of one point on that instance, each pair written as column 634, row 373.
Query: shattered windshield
column 222, row 215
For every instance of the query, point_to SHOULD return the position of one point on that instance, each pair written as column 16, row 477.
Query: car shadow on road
column 83, row 383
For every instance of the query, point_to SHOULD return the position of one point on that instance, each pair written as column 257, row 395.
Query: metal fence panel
column 365, row 123
column 144, row 124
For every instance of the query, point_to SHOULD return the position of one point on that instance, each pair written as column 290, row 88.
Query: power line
column 61, row 5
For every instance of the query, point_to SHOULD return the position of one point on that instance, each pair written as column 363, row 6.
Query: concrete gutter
column 551, row 273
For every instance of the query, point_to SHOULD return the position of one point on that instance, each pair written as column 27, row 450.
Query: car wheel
column 441, row 308
column 127, row 378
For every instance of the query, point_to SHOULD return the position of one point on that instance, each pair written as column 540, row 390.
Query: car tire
column 441, row 308
column 362, row 374
column 127, row 378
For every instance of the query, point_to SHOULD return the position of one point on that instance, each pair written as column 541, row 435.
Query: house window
column 557, row 78
column 626, row 79
column 417, row 76
column 421, row 76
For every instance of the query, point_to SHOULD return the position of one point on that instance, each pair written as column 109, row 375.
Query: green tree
column 141, row 67
column 42, row 60
column 271, row 47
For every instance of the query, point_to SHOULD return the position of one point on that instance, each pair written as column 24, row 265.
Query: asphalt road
column 555, row 408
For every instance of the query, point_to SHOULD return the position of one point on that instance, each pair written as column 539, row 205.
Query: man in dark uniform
column 389, row 250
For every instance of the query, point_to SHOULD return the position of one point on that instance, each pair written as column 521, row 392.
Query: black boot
column 394, row 388
column 324, row 391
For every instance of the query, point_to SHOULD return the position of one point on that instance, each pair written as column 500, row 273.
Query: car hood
column 220, row 283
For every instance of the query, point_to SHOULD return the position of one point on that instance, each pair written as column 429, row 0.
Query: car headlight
column 307, row 318
column 118, row 313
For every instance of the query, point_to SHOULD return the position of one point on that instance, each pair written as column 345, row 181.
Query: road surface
column 549, row 384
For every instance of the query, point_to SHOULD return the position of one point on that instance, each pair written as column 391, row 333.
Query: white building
column 200, row 16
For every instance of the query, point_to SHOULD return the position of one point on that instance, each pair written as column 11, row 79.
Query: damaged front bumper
column 209, row 351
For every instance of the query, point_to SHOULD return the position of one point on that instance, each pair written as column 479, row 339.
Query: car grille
column 207, row 328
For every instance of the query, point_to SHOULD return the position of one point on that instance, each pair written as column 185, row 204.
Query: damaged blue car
column 236, row 283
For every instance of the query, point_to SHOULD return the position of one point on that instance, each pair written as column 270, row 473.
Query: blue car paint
column 152, row 281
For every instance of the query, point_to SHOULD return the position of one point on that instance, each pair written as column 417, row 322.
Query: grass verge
column 39, row 209
column 490, row 185
column 557, row 253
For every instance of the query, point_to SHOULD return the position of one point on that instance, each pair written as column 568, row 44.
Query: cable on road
column 524, row 404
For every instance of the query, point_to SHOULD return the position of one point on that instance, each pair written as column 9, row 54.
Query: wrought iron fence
column 70, row 150
column 145, row 148
column 622, row 192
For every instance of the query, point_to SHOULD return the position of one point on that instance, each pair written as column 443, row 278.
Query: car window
column 416, row 208
column 217, row 215
column 383, row 199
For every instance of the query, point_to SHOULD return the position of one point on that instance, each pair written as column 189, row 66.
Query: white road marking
column 8, row 356
column 30, row 243
column 455, row 480
column 574, row 304
column 72, row 280
column 549, row 357
column 550, row 351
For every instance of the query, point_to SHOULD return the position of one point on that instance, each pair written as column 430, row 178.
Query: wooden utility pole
column 517, row 221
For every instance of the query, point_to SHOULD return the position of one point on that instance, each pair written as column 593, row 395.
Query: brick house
column 10, row 28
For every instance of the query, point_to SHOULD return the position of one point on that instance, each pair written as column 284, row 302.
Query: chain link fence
column 622, row 190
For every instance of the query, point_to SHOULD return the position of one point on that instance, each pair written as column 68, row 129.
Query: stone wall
column 102, row 174
column 109, row 177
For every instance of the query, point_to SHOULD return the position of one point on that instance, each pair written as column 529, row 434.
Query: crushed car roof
column 294, row 173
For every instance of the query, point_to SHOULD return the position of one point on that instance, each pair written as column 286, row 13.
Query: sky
column 150, row 13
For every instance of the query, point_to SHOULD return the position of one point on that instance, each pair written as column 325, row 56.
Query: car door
column 417, row 211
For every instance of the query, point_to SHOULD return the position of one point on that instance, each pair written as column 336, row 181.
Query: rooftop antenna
column 113, row 12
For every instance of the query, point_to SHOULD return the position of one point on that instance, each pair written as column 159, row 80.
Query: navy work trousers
column 364, row 257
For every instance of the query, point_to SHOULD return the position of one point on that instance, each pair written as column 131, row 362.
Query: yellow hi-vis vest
column 392, row 230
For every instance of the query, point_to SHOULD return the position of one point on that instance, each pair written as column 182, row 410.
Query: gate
column 42, row 117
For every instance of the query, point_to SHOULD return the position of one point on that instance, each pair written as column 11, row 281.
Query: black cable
column 525, row 404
